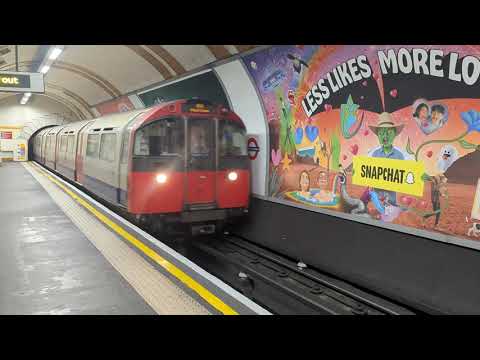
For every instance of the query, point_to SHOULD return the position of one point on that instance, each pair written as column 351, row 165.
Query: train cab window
column 71, row 144
column 199, row 137
column 93, row 145
column 108, row 147
column 232, row 139
column 161, row 138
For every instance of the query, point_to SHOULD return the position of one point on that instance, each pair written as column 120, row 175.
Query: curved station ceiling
column 86, row 75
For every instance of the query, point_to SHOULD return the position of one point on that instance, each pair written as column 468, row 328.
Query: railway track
column 280, row 284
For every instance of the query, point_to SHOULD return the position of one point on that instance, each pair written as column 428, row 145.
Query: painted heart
column 298, row 135
column 422, row 204
column 394, row 93
column 407, row 200
column 366, row 132
column 312, row 132
column 344, row 157
column 429, row 153
column 364, row 83
column 354, row 149
column 328, row 107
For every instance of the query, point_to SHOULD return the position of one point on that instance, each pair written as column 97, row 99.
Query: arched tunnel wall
column 329, row 98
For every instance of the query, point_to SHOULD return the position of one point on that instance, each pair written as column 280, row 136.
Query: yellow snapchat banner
column 404, row 176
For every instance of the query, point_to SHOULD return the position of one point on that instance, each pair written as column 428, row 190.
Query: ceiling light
column 45, row 69
column 55, row 52
column 28, row 94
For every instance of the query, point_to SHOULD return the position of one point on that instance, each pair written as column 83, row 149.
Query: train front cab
column 194, row 168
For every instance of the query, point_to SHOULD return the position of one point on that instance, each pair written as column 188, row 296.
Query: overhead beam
column 90, row 75
column 242, row 48
column 219, row 51
column 168, row 58
column 145, row 55
column 72, row 95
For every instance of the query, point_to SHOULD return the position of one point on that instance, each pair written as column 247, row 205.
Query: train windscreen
column 161, row 138
column 232, row 139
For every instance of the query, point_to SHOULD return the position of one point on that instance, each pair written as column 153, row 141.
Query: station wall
column 388, row 135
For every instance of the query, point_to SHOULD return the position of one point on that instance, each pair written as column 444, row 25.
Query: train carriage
column 183, row 161
column 67, row 143
column 50, row 146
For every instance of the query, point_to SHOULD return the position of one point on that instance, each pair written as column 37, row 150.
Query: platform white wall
column 245, row 102
column 36, row 113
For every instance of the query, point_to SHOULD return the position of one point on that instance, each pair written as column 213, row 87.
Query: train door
column 123, row 164
column 201, row 161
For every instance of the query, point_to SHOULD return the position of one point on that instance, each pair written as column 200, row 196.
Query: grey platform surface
column 47, row 266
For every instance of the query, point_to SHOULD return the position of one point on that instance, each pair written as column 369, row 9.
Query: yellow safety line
column 172, row 269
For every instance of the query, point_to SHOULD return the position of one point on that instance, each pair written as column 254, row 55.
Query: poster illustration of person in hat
column 386, row 132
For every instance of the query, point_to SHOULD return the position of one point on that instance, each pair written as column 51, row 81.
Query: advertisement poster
column 389, row 133
column 204, row 86
column 121, row 104
column 5, row 135
column 20, row 151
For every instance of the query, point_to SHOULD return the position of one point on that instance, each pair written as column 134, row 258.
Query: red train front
column 188, row 164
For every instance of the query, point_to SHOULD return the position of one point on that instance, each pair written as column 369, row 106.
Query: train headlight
column 232, row 176
column 161, row 178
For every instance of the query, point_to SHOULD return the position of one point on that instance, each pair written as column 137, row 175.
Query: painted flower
column 276, row 157
column 472, row 119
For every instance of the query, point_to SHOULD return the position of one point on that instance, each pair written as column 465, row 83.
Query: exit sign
column 21, row 82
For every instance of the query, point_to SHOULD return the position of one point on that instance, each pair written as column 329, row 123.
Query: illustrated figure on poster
column 447, row 156
column 474, row 230
column 438, row 191
column 297, row 63
column 387, row 131
column 429, row 119
column 289, row 126
column 318, row 195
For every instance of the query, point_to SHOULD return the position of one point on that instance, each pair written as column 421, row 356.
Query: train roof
column 117, row 120
column 75, row 126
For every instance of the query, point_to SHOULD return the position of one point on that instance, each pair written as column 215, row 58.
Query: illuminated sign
column 21, row 82
column 199, row 108
column 404, row 176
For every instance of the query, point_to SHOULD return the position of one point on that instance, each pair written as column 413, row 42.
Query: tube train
column 183, row 161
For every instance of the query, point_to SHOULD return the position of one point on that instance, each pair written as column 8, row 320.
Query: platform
column 63, row 253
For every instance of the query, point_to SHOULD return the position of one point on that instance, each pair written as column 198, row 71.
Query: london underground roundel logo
column 253, row 148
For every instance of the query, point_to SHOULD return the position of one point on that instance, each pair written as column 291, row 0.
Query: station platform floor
column 56, row 258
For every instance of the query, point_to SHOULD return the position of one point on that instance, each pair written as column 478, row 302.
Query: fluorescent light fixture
column 28, row 94
column 45, row 69
column 55, row 53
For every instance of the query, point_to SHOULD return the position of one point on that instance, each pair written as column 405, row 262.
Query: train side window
column 71, row 144
column 108, row 147
column 161, row 138
column 63, row 143
column 93, row 145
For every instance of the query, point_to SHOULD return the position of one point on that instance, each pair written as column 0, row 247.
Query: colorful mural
column 390, row 133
